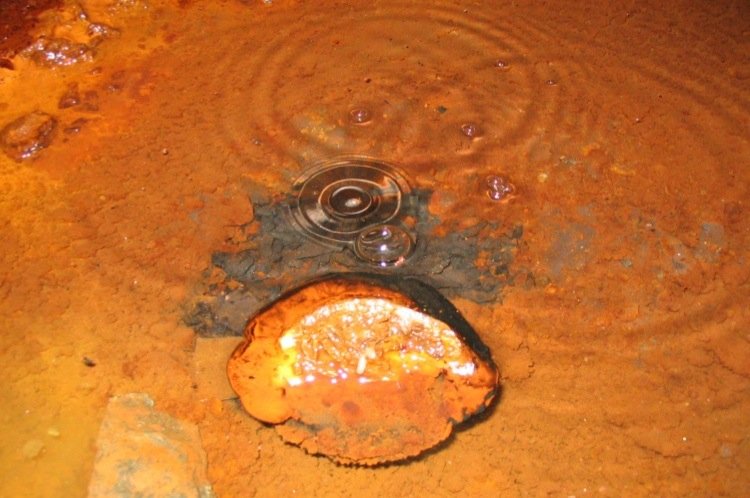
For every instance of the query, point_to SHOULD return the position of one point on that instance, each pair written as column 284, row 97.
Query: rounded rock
column 363, row 368
column 24, row 137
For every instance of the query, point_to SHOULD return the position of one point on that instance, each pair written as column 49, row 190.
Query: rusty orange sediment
column 142, row 140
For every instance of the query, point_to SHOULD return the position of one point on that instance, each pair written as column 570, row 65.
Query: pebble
column 70, row 98
column 75, row 126
column 32, row 449
column 24, row 137
column 51, row 52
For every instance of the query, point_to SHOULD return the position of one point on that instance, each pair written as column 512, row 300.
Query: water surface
column 621, row 327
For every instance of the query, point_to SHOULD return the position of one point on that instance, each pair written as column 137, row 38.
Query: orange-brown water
column 623, row 339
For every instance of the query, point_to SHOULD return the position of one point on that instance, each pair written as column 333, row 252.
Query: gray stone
column 144, row 452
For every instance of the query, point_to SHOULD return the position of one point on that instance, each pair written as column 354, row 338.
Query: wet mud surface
column 143, row 145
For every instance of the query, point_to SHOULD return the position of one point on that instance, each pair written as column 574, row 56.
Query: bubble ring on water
column 336, row 200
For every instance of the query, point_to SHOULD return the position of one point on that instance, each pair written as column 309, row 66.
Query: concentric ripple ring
column 337, row 199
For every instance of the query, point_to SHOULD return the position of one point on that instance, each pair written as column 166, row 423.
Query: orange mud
column 622, row 340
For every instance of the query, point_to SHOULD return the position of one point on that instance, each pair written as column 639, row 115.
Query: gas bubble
column 470, row 130
column 360, row 115
column 384, row 245
column 499, row 188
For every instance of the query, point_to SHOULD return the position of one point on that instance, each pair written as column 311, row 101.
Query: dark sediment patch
column 472, row 262
column 17, row 19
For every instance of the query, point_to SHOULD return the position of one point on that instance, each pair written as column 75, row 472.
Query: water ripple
column 421, row 73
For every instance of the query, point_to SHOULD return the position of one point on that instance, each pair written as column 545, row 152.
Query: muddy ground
column 138, row 136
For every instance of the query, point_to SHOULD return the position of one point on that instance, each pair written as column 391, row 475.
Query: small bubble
column 499, row 188
column 360, row 115
column 502, row 64
column 384, row 245
column 470, row 130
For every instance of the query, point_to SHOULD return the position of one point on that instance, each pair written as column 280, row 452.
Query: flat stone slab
column 144, row 452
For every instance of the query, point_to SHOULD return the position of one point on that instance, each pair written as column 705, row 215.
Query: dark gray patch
column 280, row 257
